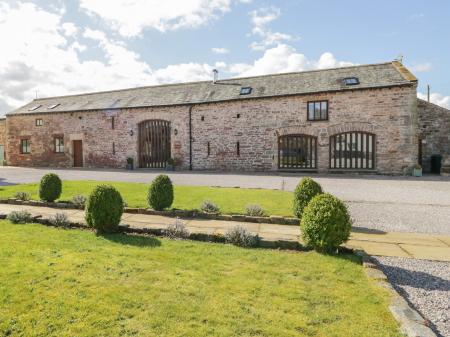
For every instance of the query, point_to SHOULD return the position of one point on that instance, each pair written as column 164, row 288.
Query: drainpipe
column 190, row 138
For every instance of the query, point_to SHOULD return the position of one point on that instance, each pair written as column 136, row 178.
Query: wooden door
column 77, row 153
column 154, row 143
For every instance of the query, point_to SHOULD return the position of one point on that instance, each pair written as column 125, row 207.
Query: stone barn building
column 355, row 119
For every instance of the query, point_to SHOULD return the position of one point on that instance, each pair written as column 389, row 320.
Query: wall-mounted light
column 131, row 133
column 175, row 132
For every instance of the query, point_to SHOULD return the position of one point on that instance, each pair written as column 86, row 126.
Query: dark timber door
column 77, row 153
column 154, row 143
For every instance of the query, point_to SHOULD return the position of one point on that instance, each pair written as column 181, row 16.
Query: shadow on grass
column 132, row 240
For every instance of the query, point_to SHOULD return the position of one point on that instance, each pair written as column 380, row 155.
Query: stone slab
column 428, row 252
column 378, row 248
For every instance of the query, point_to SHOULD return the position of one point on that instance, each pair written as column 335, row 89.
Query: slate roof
column 328, row 80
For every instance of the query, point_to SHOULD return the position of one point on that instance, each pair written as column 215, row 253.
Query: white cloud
column 131, row 17
column 282, row 59
column 436, row 98
column 69, row 28
column 41, row 57
column 260, row 19
column 220, row 50
column 422, row 67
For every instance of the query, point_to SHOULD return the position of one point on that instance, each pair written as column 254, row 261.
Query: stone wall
column 95, row 130
column 3, row 136
column 434, row 130
column 391, row 114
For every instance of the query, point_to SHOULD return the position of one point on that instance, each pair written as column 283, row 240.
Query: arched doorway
column 297, row 152
column 154, row 143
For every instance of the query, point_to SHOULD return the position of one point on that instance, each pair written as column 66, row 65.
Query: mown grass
column 230, row 200
column 56, row 282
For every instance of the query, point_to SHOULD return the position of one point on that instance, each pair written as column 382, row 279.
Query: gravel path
column 425, row 284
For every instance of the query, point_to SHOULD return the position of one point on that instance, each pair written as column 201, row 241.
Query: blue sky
column 62, row 47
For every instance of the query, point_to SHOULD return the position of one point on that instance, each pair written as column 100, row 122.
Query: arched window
column 297, row 152
column 352, row 151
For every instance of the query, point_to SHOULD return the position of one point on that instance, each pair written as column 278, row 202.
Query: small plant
column 130, row 161
column 24, row 196
column 177, row 230
column 50, row 187
column 60, row 220
column 104, row 209
column 160, row 193
column 170, row 162
column 239, row 236
column 79, row 200
column 254, row 210
column 210, row 207
column 304, row 192
column 326, row 223
column 20, row 217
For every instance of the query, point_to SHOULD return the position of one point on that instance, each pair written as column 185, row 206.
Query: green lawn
column 56, row 282
column 230, row 200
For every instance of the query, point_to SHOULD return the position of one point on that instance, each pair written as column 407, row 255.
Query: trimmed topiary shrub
column 104, row 209
column 50, row 187
column 160, row 193
column 325, row 223
column 303, row 193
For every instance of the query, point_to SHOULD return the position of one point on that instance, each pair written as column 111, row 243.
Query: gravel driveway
column 425, row 284
column 400, row 204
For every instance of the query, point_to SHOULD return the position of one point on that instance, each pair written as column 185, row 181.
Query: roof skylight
column 35, row 107
column 351, row 81
column 53, row 106
column 246, row 91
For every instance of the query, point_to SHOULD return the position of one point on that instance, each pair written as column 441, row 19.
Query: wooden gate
column 154, row 143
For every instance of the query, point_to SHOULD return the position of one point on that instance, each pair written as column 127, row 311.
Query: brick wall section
column 391, row 114
column 434, row 130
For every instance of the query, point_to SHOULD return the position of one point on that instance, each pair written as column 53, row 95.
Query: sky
column 54, row 47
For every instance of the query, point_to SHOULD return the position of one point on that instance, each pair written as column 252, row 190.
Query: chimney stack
column 428, row 93
column 215, row 75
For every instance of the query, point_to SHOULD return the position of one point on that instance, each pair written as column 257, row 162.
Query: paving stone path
column 377, row 243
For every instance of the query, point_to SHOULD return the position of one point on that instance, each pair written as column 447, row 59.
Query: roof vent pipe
column 215, row 75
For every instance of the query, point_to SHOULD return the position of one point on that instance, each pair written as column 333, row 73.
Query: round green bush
column 325, row 223
column 160, row 193
column 306, row 189
column 50, row 187
column 104, row 209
